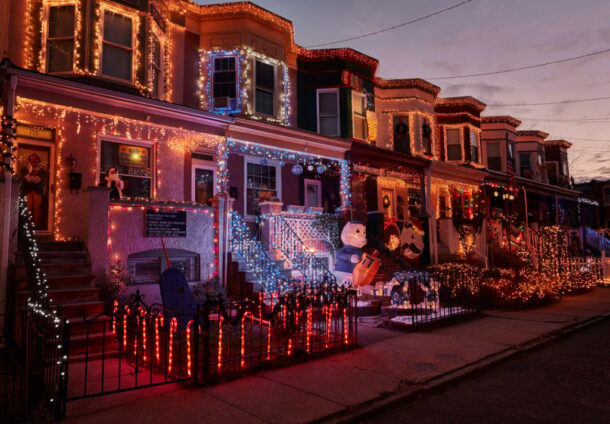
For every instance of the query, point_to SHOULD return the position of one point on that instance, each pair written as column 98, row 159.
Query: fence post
column 206, row 336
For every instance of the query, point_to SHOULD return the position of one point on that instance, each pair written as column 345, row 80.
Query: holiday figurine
column 366, row 269
column 353, row 237
column 411, row 241
column 114, row 183
column 34, row 188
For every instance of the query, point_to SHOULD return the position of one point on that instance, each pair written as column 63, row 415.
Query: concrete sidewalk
column 388, row 368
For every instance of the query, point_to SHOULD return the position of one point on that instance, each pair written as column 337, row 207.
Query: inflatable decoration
column 366, row 269
column 353, row 237
column 411, row 241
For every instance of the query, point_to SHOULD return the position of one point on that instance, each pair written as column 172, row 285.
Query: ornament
column 495, row 193
column 282, row 163
column 310, row 168
column 297, row 169
column 321, row 169
column 264, row 161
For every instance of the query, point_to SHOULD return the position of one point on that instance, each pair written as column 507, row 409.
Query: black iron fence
column 142, row 346
column 432, row 300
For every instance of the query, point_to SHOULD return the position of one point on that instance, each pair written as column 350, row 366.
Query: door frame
column 51, row 176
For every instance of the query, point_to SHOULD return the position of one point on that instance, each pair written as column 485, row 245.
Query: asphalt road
column 567, row 381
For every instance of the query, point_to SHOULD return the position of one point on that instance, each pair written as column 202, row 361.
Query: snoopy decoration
column 353, row 237
column 411, row 241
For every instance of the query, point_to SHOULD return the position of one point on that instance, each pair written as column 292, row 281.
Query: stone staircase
column 72, row 287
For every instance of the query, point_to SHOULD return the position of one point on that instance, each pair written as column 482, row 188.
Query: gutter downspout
column 9, row 110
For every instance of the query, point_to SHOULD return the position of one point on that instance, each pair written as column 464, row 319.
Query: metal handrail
column 256, row 258
column 288, row 242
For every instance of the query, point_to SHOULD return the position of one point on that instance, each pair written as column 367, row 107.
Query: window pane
column 328, row 125
column 402, row 138
column 474, row 141
column 265, row 76
column 426, row 135
column 261, row 185
column 359, row 128
column 327, row 103
column 60, row 54
column 454, row 152
column 264, row 102
column 453, row 136
column 524, row 159
column 474, row 154
column 156, row 51
column 116, row 62
column 357, row 103
column 61, row 21
column 493, row 150
column 224, row 79
column 117, row 29
column 494, row 163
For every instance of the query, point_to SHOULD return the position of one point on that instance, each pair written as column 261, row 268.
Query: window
column 494, row 160
column 328, row 112
column 225, row 82
column 156, row 75
column 525, row 165
column 474, row 147
column 262, row 183
column 203, row 174
column 454, row 144
column 117, row 49
column 265, row 87
column 133, row 163
column 146, row 267
column 426, row 137
column 551, row 172
column 402, row 138
column 359, row 116
column 60, row 39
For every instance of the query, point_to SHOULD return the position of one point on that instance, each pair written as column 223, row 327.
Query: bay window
column 265, row 88
column 328, row 111
column 359, row 116
column 60, row 39
column 117, row 46
column 454, row 144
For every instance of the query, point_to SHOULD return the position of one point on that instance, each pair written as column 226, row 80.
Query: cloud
column 480, row 90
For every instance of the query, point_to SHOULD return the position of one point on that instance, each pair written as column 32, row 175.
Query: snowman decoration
column 411, row 241
column 353, row 237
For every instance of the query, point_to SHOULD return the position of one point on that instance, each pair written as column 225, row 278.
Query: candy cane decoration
column 219, row 342
column 188, row 348
column 157, row 344
column 173, row 325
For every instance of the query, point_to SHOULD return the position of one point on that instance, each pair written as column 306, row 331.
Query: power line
column 357, row 37
column 584, row 120
column 521, row 68
column 593, row 99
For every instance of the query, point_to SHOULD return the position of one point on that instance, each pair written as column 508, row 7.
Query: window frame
column 100, row 138
column 207, row 165
column 278, row 180
column 273, row 93
column 328, row 90
column 529, row 166
column 422, row 149
column 409, row 131
column 478, row 148
column 363, row 116
column 460, row 130
column 45, row 36
column 156, row 32
column 132, row 17
column 213, row 70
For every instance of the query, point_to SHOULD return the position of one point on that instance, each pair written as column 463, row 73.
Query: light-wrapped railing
column 595, row 239
column 255, row 257
column 301, row 256
column 320, row 232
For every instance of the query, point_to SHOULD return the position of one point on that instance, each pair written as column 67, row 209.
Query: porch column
column 428, row 255
column 224, row 205
column 7, row 137
column 222, row 179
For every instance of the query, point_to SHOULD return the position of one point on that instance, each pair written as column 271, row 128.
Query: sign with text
column 165, row 223
column 133, row 156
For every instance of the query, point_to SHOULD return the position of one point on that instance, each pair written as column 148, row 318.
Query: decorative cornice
column 561, row 143
column 461, row 101
column 501, row 119
column 417, row 83
column 339, row 54
column 532, row 133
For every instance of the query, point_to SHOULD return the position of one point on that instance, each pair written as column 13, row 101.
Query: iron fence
column 142, row 346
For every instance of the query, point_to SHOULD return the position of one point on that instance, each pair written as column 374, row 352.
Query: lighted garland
column 7, row 143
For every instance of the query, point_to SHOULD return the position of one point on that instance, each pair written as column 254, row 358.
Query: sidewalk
column 389, row 367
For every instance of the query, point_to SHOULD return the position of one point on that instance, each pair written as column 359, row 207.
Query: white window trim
column 124, row 140
column 278, row 180
column 134, row 35
column 318, row 183
column 237, row 89
column 275, row 88
column 460, row 129
column 45, row 35
column 156, row 31
column 360, row 94
column 328, row 90
column 203, row 164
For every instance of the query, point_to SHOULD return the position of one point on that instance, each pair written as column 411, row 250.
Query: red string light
column 219, row 342
column 189, row 361
column 173, row 326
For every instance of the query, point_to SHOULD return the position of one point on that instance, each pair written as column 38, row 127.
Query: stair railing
column 297, row 252
column 596, row 240
column 255, row 257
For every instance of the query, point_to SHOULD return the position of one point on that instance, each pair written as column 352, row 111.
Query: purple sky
column 481, row 36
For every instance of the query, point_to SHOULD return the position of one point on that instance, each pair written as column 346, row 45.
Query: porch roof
column 531, row 185
column 457, row 173
column 373, row 156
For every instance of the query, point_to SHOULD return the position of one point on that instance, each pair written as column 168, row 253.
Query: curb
column 407, row 391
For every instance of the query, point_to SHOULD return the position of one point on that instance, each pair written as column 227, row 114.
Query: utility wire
column 369, row 34
column 521, row 68
column 593, row 99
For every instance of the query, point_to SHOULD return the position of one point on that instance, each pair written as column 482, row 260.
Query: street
column 567, row 381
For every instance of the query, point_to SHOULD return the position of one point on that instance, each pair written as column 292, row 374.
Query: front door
column 36, row 169
column 203, row 182
column 313, row 193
